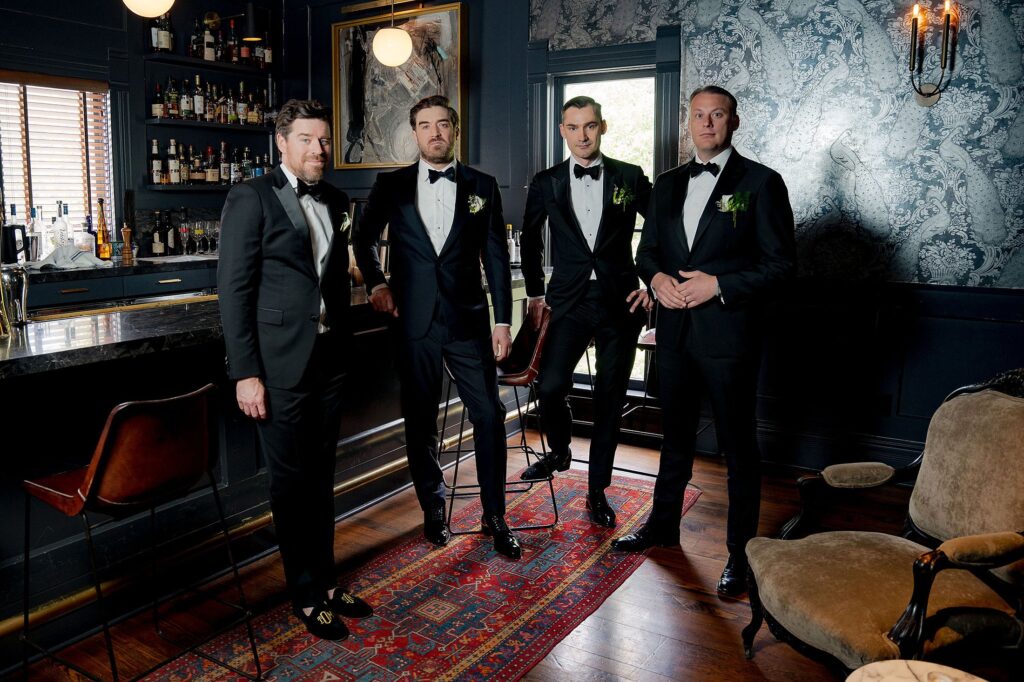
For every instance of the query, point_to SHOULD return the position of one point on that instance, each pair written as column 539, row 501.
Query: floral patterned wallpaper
column 881, row 186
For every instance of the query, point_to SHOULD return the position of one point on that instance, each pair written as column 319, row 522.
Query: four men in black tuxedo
column 283, row 287
column 443, row 218
column 717, row 239
column 589, row 203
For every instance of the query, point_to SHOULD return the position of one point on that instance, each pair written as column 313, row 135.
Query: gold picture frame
column 372, row 101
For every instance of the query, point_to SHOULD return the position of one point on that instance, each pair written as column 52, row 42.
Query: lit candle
column 945, row 36
column 913, row 37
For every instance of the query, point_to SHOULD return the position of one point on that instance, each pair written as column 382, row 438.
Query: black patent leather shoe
column 646, row 537
column 322, row 622
column 601, row 512
column 733, row 582
column 547, row 465
column 504, row 541
column 348, row 605
column 434, row 528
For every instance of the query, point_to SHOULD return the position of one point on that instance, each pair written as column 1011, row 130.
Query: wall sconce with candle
column 928, row 93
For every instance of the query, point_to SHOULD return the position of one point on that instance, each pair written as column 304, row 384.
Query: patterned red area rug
column 461, row 612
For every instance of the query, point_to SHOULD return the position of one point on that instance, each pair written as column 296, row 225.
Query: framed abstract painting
column 372, row 101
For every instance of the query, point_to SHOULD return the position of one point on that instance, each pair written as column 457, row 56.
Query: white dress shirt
column 318, row 217
column 698, row 192
column 435, row 202
column 587, row 198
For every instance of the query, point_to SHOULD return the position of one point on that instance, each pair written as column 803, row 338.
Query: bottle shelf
column 180, row 123
column 182, row 60
column 188, row 188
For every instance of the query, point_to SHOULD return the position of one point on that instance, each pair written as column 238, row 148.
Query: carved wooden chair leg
column 756, row 616
column 810, row 488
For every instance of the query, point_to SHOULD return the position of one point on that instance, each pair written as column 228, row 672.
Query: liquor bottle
column 172, row 100
column 225, row 164
column 165, row 34
column 211, row 103
column 195, row 41
column 183, row 165
column 212, row 167
column 516, row 259
column 223, row 114
column 242, row 105
column 197, row 174
column 246, row 165
column 156, row 164
column 258, row 55
column 172, row 241
column 509, row 240
column 209, row 46
column 236, row 167
column 60, row 226
column 255, row 116
column 244, row 52
column 173, row 169
column 232, row 46
column 157, row 105
column 266, row 164
column 232, row 110
column 103, row 247
column 158, row 247
column 257, row 167
column 218, row 47
column 91, row 231
column 185, row 101
column 199, row 100
column 154, row 34
column 268, row 53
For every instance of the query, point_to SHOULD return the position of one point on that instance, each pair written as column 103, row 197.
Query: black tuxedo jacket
column 573, row 261
column 749, row 259
column 423, row 281
column 267, row 283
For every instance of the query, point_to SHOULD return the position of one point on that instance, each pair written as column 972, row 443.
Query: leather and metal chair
column 518, row 370
column 149, row 453
column 852, row 598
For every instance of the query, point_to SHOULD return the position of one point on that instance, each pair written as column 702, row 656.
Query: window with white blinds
column 55, row 146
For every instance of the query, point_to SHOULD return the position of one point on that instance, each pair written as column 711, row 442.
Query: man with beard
column 283, row 286
column 443, row 218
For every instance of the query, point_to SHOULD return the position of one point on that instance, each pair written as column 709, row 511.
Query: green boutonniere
column 476, row 204
column 734, row 203
column 621, row 196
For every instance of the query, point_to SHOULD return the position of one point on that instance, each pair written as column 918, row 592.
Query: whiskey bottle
column 173, row 167
column 209, row 46
column 165, row 34
column 236, row 167
column 172, row 99
column 186, row 102
column 232, row 110
column 156, row 164
column 211, row 103
column 199, row 100
column 195, row 42
column 258, row 55
column 246, row 165
column 242, row 105
column 255, row 116
column 212, row 167
column 231, row 49
column 172, row 242
column 103, row 247
column 225, row 164
column 268, row 53
column 157, row 104
column 244, row 52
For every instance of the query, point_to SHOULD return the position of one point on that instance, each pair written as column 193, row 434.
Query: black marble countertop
column 168, row 264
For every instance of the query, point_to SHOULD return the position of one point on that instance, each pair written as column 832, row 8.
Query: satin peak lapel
column 465, row 185
column 680, row 182
column 612, row 177
column 563, row 200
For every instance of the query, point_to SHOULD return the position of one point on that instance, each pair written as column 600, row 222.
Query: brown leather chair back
column 521, row 366
column 150, row 451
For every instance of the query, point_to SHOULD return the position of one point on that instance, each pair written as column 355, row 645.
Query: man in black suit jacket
column 283, row 287
column 590, row 203
column 717, row 239
column 442, row 218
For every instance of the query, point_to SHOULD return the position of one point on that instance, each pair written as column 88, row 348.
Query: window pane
column 12, row 148
column 56, row 149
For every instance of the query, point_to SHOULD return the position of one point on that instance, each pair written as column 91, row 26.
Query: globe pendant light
column 392, row 46
column 148, row 8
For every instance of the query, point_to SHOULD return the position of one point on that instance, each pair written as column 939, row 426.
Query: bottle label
column 163, row 40
column 200, row 104
column 175, row 176
column 213, row 174
column 245, row 51
column 268, row 55
column 158, row 110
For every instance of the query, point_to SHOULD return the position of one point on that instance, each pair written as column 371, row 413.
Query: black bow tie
column 697, row 168
column 435, row 175
column 593, row 171
column 316, row 190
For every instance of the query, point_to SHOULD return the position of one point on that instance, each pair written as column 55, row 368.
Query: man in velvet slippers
column 284, row 299
column 717, row 241
column 589, row 203
column 444, row 218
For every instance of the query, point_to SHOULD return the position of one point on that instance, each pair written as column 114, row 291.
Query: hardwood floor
column 664, row 623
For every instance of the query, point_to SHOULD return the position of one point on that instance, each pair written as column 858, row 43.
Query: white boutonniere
column 476, row 204
column 621, row 196
column 734, row 203
column 344, row 223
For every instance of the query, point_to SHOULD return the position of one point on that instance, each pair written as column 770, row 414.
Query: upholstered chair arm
column 986, row 551
column 972, row 552
column 858, row 475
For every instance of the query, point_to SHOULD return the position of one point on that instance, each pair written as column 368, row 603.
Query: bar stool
column 519, row 369
column 149, row 453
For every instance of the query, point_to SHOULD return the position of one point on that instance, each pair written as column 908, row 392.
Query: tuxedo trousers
column 299, row 439
column 471, row 363
column 615, row 337
column 731, row 383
